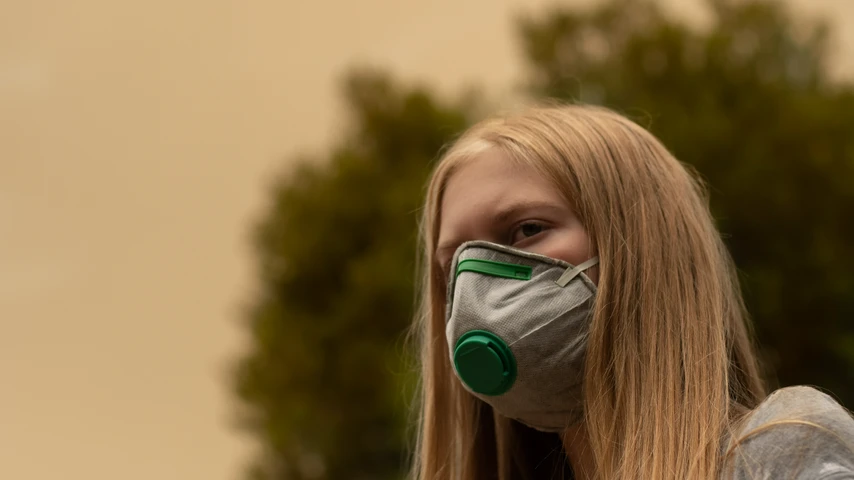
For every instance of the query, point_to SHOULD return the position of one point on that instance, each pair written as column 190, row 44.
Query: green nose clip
column 484, row 362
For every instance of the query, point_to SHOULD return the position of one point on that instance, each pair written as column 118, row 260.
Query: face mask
column 517, row 326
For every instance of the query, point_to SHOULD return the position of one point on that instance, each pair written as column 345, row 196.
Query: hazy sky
column 136, row 142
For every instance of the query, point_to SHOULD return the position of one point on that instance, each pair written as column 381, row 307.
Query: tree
column 323, row 386
column 747, row 102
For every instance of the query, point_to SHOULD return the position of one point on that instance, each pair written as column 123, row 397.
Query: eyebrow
column 503, row 216
column 515, row 209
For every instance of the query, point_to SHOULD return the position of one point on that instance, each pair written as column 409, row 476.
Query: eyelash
column 519, row 226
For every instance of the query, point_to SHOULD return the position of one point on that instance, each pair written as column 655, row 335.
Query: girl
column 581, row 318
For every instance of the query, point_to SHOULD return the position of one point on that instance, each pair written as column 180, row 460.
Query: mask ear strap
column 573, row 272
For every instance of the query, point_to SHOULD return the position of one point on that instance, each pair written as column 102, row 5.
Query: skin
column 490, row 198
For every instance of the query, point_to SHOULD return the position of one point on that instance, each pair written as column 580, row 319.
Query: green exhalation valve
column 484, row 362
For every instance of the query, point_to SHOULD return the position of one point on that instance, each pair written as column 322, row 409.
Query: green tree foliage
column 747, row 101
column 322, row 385
column 749, row 104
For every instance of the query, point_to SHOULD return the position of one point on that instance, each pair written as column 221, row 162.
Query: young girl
column 581, row 318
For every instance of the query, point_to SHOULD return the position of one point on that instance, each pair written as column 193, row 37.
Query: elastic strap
column 573, row 272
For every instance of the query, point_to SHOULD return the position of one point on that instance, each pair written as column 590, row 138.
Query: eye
column 526, row 230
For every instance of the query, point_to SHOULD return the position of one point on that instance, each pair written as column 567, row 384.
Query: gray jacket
column 796, row 433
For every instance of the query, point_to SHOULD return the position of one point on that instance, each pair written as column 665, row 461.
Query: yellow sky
column 136, row 141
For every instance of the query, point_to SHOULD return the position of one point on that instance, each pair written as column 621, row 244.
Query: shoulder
column 799, row 402
column 797, row 432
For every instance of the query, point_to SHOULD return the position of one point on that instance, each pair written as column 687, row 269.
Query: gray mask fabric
column 517, row 326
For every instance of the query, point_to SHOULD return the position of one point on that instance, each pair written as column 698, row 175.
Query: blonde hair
column 670, row 364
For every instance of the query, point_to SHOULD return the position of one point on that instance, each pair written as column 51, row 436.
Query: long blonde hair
column 670, row 364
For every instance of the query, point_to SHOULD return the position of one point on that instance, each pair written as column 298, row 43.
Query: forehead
column 484, row 187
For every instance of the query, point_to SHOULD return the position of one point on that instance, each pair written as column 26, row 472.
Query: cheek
column 593, row 275
column 569, row 245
